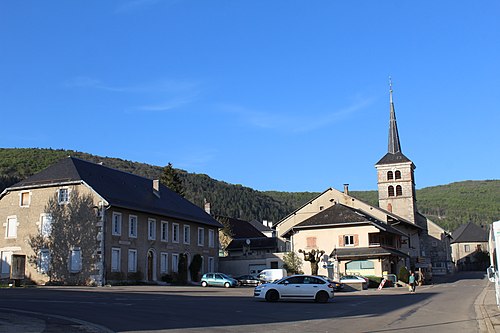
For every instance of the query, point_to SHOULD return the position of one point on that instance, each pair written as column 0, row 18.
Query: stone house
column 469, row 246
column 141, row 227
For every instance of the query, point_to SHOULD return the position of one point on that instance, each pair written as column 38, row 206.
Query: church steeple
column 396, row 185
column 394, row 145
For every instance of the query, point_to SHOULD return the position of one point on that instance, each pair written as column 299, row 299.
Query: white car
column 296, row 287
column 353, row 279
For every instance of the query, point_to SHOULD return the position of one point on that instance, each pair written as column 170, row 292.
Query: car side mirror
column 286, row 283
column 491, row 273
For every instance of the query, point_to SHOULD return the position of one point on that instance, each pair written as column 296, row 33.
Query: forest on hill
column 448, row 205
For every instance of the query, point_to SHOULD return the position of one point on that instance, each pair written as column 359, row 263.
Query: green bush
column 403, row 275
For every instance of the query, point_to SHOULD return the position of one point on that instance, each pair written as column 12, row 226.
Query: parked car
column 271, row 274
column 353, row 279
column 218, row 280
column 248, row 280
column 296, row 287
column 338, row 286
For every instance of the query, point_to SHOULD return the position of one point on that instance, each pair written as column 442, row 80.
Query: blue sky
column 273, row 95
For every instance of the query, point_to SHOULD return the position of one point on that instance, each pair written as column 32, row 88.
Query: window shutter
column 356, row 240
column 341, row 240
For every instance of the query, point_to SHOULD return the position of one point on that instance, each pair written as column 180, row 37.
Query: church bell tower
column 395, row 172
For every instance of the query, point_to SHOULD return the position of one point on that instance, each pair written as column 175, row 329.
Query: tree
column 182, row 268
column 170, row 178
column 69, row 237
column 226, row 233
column 195, row 267
column 292, row 263
column 314, row 257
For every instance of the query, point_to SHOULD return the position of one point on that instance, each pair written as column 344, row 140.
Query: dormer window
column 390, row 175
column 390, row 189
column 397, row 174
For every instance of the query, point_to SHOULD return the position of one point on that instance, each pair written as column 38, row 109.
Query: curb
column 482, row 315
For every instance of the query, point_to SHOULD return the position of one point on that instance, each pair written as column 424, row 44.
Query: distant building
column 469, row 246
column 249, row 250
column 142, row 227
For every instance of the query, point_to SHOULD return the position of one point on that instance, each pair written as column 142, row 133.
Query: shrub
column 403, row 275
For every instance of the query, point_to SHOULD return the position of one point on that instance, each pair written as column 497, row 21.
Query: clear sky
column 271, row 94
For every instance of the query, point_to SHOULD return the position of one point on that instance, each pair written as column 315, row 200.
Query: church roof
column 119, row 189
column 469, row 233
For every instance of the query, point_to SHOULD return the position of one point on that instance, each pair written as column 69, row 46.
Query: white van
column 270, row 275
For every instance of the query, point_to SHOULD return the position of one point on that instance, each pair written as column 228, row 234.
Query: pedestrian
column 412, row 282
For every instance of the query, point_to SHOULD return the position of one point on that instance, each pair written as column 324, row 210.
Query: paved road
column 443, row 307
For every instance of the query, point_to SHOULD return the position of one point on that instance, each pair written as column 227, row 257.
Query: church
column 355, row 237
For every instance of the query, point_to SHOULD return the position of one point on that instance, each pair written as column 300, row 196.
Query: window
column 45, row 224
column 151, row 229
column 390, row 175
column 467, row 248
column 117, row 224
column 11, row 230
column 175, row 232
column 211, row 264
column 187, row 234
column 164, row 231
column 115, row 259
column 63, row 196
column 163, row 262
column 201, row 236
column 399, row 191
column 25, row 199
column 360, row 264
column 348, row 240
column 75, row 260
column 132, row 260
column 311, row 242
column 44, row 261
column 397, row 174
column 391, row 191
column 175, row 262
column 211, row 238
column 132, row 226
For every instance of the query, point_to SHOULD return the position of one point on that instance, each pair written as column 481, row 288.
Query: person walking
column 412, row 282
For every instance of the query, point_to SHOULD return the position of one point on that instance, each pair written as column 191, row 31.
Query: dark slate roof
column 260, row 243
column 119, row 189
column 259, row 226
column 390, row 158
column 365, row 252
column 469, row 233
column 339, row 215
column 241, row 228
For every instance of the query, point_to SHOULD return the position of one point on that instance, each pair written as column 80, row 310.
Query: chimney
column 156, row 187
column 346, row 189
column 207, row 207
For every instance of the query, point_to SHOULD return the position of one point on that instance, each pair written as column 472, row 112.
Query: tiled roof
column 255, row 243
column 241, row 228
column 346, row 253
column 259, row 226
column 469, row 233
column 339, row 215
column 119, row 189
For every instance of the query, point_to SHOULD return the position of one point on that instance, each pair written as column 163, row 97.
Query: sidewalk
column 487, row 311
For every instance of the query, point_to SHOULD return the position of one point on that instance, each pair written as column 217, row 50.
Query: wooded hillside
column 448, row 205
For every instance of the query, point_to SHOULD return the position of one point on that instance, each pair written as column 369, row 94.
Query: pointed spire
column 394, row 145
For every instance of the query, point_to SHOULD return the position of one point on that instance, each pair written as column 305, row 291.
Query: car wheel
column 227, row 285
column 322, row 297
column 204, row 283
column 272, row 296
